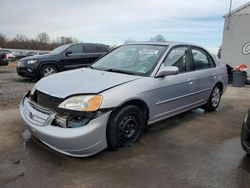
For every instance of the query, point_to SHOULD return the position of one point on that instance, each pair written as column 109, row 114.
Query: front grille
column 35, row 114
column 46, row 100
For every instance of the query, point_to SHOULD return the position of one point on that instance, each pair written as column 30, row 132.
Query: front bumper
column 3, row 62
column 78, row 142
column 26, row 72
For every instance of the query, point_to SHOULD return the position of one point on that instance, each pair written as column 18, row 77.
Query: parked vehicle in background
column 245, row 133
column 108, row 104
column 66, row 57
column 5, row 57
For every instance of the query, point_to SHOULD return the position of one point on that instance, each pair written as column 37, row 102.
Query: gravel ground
column 194, row 149
column 12, row 86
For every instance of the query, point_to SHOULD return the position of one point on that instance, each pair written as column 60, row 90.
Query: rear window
column 90, row 49
column 102, row 49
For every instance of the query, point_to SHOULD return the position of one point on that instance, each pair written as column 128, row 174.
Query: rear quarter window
column 102, row 49
column 202, row 60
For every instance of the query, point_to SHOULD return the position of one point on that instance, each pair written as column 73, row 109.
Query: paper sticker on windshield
column 149, row 52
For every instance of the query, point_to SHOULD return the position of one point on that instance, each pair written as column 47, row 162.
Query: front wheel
column 214, row 99
column 125, row 127
column 47, row 70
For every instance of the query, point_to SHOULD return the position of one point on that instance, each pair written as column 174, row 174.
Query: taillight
column 5, row 56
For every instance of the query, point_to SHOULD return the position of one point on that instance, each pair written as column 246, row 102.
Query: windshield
column 60, row 49
column 131, row 59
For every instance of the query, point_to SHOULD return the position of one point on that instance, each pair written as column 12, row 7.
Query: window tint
column 179, row 57
column 90, row 49
column 76, row 49
column 102, row 49
column 201, row 59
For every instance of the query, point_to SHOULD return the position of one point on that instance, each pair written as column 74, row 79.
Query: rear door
column 204, row 72
column 93, row 52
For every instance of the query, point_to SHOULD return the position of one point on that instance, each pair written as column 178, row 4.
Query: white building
column 236, row 37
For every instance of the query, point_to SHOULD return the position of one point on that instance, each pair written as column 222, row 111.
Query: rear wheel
column 214, row 99
column 125, row 127
column 47, row 70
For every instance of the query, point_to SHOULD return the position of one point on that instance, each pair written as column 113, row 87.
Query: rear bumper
column 78, row 142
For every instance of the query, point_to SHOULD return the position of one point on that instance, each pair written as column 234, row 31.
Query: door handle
column 190, row 81
column 214, row 76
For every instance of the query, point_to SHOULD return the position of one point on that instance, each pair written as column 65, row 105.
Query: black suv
column 65, row 57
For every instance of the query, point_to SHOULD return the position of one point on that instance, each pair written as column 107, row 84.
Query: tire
column 243, row 138
column 245, row 134
column 214, row 99
column 125, row 127
column 47, row 70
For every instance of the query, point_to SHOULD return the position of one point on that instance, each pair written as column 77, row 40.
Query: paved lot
column 194, row 149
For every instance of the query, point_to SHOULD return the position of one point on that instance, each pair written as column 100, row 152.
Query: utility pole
column 229, row 14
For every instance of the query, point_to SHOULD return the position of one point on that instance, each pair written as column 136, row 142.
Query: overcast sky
column 113, row 21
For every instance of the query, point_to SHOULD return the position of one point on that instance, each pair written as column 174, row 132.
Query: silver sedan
column 108, row 104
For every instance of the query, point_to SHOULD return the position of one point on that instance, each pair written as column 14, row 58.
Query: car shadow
column 245, row 163
column 25, row 80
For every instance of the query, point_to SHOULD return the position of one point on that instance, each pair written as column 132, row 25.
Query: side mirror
column 166, row 71
column 68, row 53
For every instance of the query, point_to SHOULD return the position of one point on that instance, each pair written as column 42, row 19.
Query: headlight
column 32, row 61
column 82, row 103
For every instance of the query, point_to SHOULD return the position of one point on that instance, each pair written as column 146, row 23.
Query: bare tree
column 43, row 37
column 158, row 38
column 129, row 40
column 41, row 42
column 3, row 40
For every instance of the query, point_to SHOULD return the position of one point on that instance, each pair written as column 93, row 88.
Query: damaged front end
column 73, row 133
column 64, row 118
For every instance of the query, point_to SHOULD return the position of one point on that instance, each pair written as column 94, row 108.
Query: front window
column 76, row 49
column 179, row 57
column 60, row 49
column 131, row 59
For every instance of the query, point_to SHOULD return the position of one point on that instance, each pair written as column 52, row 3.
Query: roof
column 238, row 9
column 167, row 43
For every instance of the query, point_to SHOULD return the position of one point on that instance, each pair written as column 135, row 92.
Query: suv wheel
column 125, row 127
column 47, row 70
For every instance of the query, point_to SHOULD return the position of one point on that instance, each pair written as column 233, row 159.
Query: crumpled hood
column 81, row 81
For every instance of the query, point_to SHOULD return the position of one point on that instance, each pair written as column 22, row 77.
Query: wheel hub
column 216, row 97
column 128, row 130
column 48, row 71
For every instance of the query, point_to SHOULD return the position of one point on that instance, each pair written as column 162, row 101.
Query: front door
column 174, row 94
column 74, row 59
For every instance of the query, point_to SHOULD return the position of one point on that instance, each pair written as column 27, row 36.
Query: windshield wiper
column 119, row 71
column 111, row 70
column 90, row 66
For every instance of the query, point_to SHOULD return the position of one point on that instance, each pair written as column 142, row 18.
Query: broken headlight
column 70, row 122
